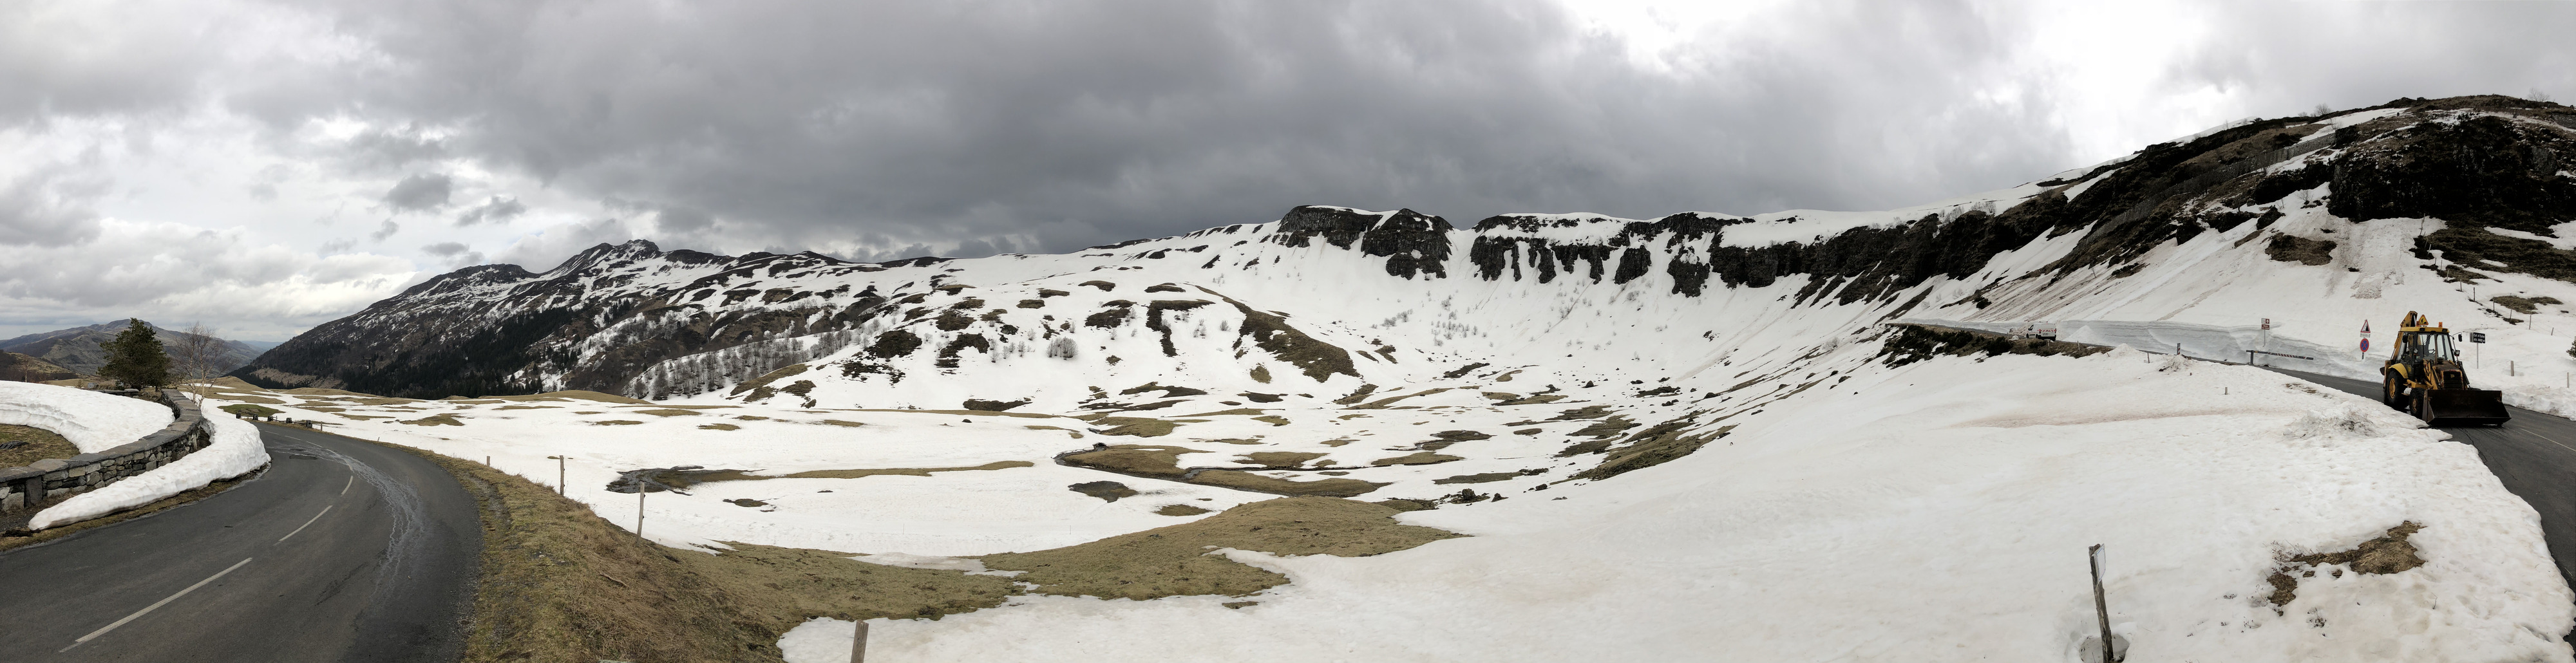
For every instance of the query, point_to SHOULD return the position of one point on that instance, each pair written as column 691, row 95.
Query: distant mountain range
column 77, row 349
column 1331, row 300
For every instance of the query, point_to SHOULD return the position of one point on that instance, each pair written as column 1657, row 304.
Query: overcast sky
column 264, row 167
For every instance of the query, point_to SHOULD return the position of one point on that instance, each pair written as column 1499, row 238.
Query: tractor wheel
column 2389, row 393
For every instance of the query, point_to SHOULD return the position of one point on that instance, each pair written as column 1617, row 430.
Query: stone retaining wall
column 25, row 487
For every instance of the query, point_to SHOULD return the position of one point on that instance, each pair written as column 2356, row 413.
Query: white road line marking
column 344, row 485
column 300, row 528
column 146, row 609
column 2561, row 445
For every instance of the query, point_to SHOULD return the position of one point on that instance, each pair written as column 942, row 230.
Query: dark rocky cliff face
column 614, row 311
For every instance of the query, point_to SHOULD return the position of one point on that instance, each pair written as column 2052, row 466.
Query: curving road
column 342, row 551
column 2534, row 455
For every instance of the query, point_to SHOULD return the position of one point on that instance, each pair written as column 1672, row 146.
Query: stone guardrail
column 24, row 487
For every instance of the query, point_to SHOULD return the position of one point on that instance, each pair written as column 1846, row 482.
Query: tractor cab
column 2425, row 343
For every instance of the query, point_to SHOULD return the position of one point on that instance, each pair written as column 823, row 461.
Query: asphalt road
column 342, row 551
column 2535, row 456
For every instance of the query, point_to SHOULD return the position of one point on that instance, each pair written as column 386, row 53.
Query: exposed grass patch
column 247, row 398
column 667, row 412
column 39, row 444
column 1653, row 446
column 1281, row 460
column 251, row 410
column 853, row 474
column 1415, row 458
column 1179, row 510
column 1137, row 426
column 2387, row 554
column 1173, row 561
column 434, row 420
column 1335, row 487
column 718, row 427
column 529, row 407
column 560, row 584
column 2524, row 305
column 837, row 422
column 1076, row 434
column 772, row 376
column 612, row 422
column 1912, row 343
column 1107, row 491
column 2293, row 248
column 1274, row 420
column 1237, row 412
column 1486, row 477
column 1138, row 459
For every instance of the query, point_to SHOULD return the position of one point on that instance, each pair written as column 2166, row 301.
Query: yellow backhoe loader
column 2423, row 377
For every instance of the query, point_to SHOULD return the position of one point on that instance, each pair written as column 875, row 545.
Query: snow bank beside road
column 1940, row 510
column 90, row 420
column 236, row 451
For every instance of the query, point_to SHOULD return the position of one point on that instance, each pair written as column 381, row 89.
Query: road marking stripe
column 344, row 485
column 2561, row 445
column 146, row 609
column 300, row 528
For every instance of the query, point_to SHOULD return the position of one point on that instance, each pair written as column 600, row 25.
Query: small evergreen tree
column 135, row 357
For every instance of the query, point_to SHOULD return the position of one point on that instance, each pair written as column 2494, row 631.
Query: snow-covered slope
column 1687, row 405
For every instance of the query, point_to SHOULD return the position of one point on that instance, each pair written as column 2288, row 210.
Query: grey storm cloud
column 496, row 209
column 994, row 126
column 419, row 193
column 1078, row 123
column 47, row 209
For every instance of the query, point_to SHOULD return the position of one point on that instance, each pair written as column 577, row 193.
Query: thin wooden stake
column 859, row 644
column 2101, row 610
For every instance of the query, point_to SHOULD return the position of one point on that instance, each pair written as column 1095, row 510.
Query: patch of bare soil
column 1176, row 560
column 440, row 420
column 2386, row 554
column 1179, row 510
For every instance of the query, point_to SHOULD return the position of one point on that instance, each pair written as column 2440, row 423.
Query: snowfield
column 1907, row 517
column 1664, row 440
column 1942, row 506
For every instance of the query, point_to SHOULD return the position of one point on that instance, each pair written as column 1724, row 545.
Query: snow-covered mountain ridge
column 1326, row 299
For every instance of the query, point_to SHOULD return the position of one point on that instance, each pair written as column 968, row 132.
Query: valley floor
column 1849, row 511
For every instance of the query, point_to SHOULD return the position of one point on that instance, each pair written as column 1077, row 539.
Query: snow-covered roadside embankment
column 133, row 452
column 234, row 451
column 92, row 421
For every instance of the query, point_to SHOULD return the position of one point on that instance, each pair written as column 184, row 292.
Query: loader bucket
column 2463, row 407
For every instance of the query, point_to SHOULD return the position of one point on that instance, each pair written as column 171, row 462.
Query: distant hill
column 24, row 368
column 77, row 348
